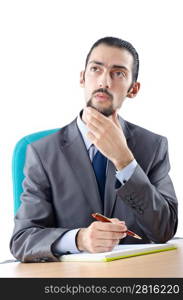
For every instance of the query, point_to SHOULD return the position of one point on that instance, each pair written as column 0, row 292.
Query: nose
column 105, row 81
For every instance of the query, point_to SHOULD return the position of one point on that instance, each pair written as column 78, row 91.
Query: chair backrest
column 18, row 161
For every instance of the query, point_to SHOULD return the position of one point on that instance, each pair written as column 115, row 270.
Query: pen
column 102, row 218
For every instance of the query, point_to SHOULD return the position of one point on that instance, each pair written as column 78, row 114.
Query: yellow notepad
column 119, row 252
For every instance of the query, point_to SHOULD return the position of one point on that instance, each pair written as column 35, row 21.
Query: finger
column 121, row 223
column 91, row 118
column 94, row 130
column 124, row 235
column 119, row 227
column 113, row 227
column 115, row 220
column 109, row 235
column 91, row 137
column 95, row 114
column 108, row 229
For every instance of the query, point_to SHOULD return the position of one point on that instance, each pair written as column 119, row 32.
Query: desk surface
column 163, row 264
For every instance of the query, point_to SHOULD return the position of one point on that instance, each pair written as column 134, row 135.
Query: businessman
column 98, row 163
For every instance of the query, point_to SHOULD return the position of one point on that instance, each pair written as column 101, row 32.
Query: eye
column 94, row 69
column 118, row 74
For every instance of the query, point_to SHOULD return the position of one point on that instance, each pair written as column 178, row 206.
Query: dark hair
column 118, row 43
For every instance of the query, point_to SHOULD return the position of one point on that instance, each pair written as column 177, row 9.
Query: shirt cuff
column 124, row 174
column 67, row 243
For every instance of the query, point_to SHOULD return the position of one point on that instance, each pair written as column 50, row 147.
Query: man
column 62, row 188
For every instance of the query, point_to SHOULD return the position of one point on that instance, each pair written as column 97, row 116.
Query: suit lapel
column 75, row 152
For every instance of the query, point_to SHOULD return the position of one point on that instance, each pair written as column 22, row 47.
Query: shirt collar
column 83, row 130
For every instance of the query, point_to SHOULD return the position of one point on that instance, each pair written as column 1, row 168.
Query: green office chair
column 18, row 162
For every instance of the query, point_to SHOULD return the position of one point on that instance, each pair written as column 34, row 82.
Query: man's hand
column 107, row 135
column 101, row 236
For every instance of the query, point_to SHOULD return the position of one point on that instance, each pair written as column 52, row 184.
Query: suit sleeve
column 150, row 195
column 35, row 230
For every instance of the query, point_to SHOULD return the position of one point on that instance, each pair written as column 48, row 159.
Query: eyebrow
column 113, row 66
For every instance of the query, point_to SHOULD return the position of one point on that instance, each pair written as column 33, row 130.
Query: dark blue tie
column 99, row 165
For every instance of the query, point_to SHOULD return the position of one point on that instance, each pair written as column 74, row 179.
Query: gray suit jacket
column 61, row 192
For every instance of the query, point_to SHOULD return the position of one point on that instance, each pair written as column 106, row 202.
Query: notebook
column 119, row 252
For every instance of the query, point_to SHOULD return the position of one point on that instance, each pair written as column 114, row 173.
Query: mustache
column 105, row 91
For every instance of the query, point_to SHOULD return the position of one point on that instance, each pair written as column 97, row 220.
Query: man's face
column 107, row 78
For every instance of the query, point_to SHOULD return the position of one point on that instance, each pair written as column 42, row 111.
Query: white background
column 43, row 45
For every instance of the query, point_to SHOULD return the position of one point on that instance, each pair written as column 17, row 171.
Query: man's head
column 110, row 75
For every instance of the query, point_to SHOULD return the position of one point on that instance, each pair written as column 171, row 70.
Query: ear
column 82, row 78
column 134, row 90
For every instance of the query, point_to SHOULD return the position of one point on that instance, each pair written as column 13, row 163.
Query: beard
column 106, row 111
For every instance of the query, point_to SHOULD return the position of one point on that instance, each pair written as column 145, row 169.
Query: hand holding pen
column 101, row 236
column 102, row 218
